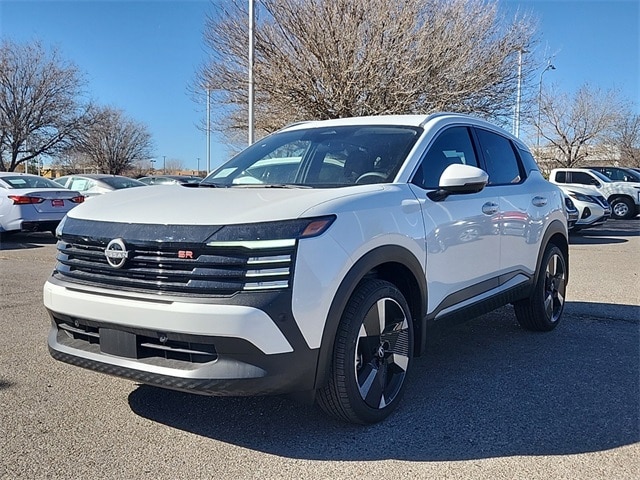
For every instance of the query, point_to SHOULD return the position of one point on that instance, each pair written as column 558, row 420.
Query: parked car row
column 33, row 203
column 597, row 196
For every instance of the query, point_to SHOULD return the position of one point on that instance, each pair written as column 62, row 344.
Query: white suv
column 624, row 197
column 315, row 262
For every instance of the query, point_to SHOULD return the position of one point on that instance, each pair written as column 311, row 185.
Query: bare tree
column 571, row 124
column 319, row 59
column 174, row 165
column 114, row 142
column 626, row 136
column 40, row 103
column 71, row 161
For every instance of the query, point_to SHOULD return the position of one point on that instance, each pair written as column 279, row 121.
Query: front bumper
column 207, row 348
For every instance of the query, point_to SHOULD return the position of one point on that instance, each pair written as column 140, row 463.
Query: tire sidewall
column 625, row 202
column 353, row 318
column 540, row 286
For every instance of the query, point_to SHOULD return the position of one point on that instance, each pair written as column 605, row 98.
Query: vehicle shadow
column 609, row 232
column 20, row 241
column 485, row 389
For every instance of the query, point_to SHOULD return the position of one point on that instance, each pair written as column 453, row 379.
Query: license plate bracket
column 119, row 343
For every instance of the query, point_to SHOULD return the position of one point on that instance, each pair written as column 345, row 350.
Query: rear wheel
column 372, row 353
column 543, row 309
column 622, row 208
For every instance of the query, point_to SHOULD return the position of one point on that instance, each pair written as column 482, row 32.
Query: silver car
column 93, row 184
column 33, row 203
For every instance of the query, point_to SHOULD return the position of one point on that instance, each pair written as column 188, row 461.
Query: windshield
column 601, row 176
column 121, row 182
column 27, row 181
column 320, row 157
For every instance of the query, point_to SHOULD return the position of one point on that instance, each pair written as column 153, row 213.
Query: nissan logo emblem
column 116, row 253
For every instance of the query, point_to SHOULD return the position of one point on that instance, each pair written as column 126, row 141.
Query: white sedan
column 32, row 203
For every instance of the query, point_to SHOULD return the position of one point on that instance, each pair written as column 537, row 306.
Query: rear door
column 523, row 210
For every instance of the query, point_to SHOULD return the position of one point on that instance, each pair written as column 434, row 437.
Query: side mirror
column 459, row 179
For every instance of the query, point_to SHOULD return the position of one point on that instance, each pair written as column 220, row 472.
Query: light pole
column 164, row 164
column 516, row 117
column 251, row 90
column 549, row 66
column 198, row 166
column 152, row 161
column 208, row 129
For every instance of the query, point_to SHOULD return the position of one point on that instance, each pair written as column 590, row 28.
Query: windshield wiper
column 211, row 185
column 284, row 185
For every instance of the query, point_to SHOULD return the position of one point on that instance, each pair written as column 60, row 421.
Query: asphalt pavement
column 488, row 401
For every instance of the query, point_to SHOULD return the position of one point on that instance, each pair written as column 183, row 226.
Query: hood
column 584, row 189
column 179, row 205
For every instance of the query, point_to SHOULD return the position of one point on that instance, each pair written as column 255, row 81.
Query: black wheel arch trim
column 556, row 230
column 386, row 254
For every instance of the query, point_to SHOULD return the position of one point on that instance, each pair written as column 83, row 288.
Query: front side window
column 583, row 178
column 320, row 157
column 453, row 146
column 502, row 164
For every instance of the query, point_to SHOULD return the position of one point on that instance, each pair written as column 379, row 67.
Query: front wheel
column 543, row 309
column 371, row 357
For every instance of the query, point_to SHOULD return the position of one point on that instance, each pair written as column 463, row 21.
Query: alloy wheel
column 382, row 353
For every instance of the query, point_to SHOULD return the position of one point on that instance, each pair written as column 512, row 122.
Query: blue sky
column 141, row 56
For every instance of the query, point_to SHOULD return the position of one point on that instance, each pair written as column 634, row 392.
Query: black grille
column 187, row 269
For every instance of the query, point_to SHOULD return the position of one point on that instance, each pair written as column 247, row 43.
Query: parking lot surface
column 488, row 401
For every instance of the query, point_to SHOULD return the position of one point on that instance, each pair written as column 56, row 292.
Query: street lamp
column 549, row 66
column 164, row 164
column 152, row 161
column 198, row 166
column 208, row 129
column 516, row 117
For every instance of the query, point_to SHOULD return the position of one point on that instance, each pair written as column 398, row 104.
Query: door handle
column 490, row 208
column 539, row 201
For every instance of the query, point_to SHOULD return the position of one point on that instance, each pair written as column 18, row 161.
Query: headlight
column 581, row 197
column 270, row 234
column 60, row 227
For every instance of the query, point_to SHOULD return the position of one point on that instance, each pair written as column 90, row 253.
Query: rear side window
column 561, row 177
column 453, row 146
column 500, row 157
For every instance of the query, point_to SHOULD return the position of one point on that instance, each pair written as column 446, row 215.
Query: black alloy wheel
column 372, row 355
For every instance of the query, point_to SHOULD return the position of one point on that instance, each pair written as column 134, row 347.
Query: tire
column 622, row 208
column 542, row 311
column 371, row 356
